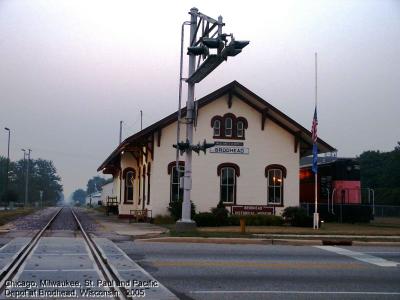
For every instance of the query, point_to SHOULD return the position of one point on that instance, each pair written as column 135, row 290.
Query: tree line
column 381, row 172
column 93, row 185
column 42, row 177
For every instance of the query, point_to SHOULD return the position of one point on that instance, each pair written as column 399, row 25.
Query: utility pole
column 199, row 47
column 120, row 131
column 187, row 181
column 27, row 177
column 41, row 199
column 7, row 166
column 141, row 120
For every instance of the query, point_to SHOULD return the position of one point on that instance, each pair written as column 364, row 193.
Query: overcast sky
column 71, row 70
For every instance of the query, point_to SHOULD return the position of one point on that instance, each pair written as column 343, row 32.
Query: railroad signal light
column 198, row 50
column 182, row 146
column 234, row 48
column 202, row 147
column 213, row 43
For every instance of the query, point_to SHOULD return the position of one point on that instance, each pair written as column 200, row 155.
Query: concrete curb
column 374, row 243
column 246, row 241
column 207, row 240
column 292, row 242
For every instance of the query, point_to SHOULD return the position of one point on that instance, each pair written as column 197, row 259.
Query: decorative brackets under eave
column 152, row 146
column 230, row 99
column 135, row 156
column 159, row 132
column 264, row 115
column 297, row 138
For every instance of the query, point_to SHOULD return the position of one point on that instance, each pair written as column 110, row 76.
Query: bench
column 111, row 205
column 140, row 215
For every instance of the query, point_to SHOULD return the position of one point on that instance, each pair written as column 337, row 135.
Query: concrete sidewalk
column 121, row 226
column 299, row 241
column 145, row 232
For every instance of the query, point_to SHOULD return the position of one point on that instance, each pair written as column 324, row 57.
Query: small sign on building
column 242, row 210
column 229, row 148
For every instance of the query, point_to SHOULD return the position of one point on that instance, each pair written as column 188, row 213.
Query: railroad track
column 101, row 262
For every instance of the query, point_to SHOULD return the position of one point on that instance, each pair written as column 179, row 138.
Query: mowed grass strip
column 374, row 228
column 7, row 216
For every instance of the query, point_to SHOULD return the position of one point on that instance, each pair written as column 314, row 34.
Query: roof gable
column 234, row 88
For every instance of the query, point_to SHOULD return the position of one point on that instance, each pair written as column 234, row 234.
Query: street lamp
column 205, row 35
column 8, row 165
column 28, row 156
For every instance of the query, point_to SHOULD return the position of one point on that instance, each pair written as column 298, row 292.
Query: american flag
column 314, row 138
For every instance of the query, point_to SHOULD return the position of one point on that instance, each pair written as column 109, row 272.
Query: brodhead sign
column 251, row 210
column 229, row 148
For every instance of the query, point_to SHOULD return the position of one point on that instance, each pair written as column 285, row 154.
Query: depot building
column 255, row 160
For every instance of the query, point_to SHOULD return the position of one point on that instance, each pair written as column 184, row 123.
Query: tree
column 79, row 196
column 42, row 177
column 381, row 172
column 95, row 184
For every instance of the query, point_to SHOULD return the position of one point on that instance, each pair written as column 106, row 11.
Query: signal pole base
column 185, row 226
column 316, row 221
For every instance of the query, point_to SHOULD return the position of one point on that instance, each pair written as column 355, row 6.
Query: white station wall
column 273, row 145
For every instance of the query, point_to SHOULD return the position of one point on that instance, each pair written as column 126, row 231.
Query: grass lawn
column 9, row 215
column 382, row 226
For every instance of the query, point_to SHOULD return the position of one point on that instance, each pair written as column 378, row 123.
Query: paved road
column 209, row 271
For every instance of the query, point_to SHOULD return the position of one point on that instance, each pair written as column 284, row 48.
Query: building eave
column 242, row 93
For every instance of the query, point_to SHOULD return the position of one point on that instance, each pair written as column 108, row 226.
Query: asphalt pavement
column 218, row 271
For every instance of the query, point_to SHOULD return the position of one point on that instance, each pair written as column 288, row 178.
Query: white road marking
column 295, row 292
column 382, row 252
column 378, row 261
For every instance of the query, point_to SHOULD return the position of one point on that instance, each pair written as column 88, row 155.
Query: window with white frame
column 228, row 127
column 275, row 187
column 176, row 191
column 129, row 178
column 227, row 185
column 217, row 128
column 240, row 129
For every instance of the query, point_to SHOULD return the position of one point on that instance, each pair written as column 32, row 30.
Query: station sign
column 252, row 210
column 229, row 148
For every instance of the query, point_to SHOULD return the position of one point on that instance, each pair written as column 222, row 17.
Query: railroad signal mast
column 210, row 47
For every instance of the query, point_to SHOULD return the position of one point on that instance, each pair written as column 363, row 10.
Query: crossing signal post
column 210, row 47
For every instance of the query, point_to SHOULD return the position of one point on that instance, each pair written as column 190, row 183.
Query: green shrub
column 163, row 219
column 297, row 216
column 221, row 214
column 175, row 209
column 233, row 220
column 9, row 196
column 206, row 219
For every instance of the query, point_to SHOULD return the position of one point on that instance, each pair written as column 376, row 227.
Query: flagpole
column 316, row 215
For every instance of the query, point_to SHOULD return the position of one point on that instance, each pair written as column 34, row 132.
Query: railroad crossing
column 52, row 264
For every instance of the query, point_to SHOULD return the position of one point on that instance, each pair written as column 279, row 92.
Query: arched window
column 240, row 129
column 217, row 128
column 129, row 179
column 228, row 127
column 228, row 184
column 148, row 182
column 176, row 188
column 228, row 172
column 144, row 186
column 275, row 178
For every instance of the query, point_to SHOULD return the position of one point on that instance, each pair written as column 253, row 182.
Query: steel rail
column 23, row 254
column 101, row 261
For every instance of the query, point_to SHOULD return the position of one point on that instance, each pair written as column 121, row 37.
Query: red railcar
column 338, row 181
